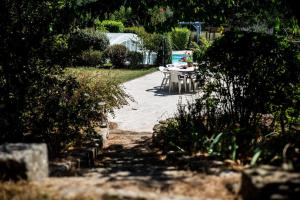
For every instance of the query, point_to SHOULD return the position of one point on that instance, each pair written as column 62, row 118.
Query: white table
column 182, row 69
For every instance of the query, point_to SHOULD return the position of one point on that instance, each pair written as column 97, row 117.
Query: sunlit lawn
column 121, row 75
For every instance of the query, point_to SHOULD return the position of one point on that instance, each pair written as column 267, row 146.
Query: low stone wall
column 80, row 157
column 268, row 182
column 23, row 162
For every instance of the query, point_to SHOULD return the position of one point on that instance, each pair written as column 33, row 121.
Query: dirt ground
column 131, row 168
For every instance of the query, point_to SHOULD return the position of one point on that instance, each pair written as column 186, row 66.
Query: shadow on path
column 131, row 160
column 158, row 91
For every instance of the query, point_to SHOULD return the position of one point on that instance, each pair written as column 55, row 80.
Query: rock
column 112, row 125
column 268, row 182
column 23, row 162
column 63, row 167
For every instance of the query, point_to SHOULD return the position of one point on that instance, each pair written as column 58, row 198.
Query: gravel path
column 151, row 104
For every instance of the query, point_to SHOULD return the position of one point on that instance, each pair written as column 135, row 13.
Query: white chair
column 166, row 76
column 192, row 81
column 176, row 78
column 169, row 65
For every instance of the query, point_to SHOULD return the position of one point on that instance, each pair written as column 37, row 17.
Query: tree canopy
column 165, row 14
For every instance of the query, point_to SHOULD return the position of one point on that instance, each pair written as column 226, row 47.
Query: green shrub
column 88, row 39
column 68, row 111
column 139, row 30
column 134, row 58
column 110, row 25
column 249, row 105
column 180, row 38
column 117, row 54
column 199, row 50
column 101, row 87
column 91, row 58
column 59, row 48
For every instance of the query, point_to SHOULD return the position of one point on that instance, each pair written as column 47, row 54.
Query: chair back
column 174, row 76
column 169, row 65
column 162, row 69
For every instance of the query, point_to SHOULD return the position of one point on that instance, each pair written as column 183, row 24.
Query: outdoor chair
column 176, row 78
column 166, row 76
column 192, row 81
column 170, row 65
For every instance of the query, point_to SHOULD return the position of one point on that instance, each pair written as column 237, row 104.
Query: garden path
column 130, row 167
column 151, row 104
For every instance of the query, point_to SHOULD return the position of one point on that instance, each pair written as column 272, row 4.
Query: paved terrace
column 151, row 104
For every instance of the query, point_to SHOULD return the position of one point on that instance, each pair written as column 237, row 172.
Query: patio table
column 181, row 69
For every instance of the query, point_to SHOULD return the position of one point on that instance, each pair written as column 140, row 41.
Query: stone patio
column 151, row 105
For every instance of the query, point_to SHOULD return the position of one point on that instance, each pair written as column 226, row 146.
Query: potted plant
column 189, row 60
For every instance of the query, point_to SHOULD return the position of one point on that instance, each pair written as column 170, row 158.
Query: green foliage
column 139, row 30
column 262, row 70
column 199, row 50
column 117, row 54
column 135, row 59
column 96, row 87
column 88, row 39
column 180, row 38
column 124, row 15
column 163, row 49
column 91, row 58
column 110, row 25
column 159, row 16
column 59, row 49
column 26, row 37
column 37, row 103
column 249, row 102
column 162, row 16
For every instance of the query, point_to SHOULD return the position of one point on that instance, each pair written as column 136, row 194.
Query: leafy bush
column 110, row 25
column 199, row 50
column 134, row 58
column 59, row 49
column 249, row 104
column 117, row 54
column 101, row 87
column 88, row 39
column 90, row 58
column 139, row 30
column 180, row 38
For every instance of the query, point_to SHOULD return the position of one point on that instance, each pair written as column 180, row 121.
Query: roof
column 118, row 38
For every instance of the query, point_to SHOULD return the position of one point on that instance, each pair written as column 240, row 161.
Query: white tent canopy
column 130, row 40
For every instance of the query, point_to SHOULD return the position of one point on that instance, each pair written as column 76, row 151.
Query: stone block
column 22, row 161
column 267, row 182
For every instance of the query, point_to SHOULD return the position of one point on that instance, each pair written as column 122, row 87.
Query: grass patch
column 122, row 75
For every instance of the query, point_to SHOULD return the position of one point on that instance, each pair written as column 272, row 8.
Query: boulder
column 268, row 182
column 23, row 162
